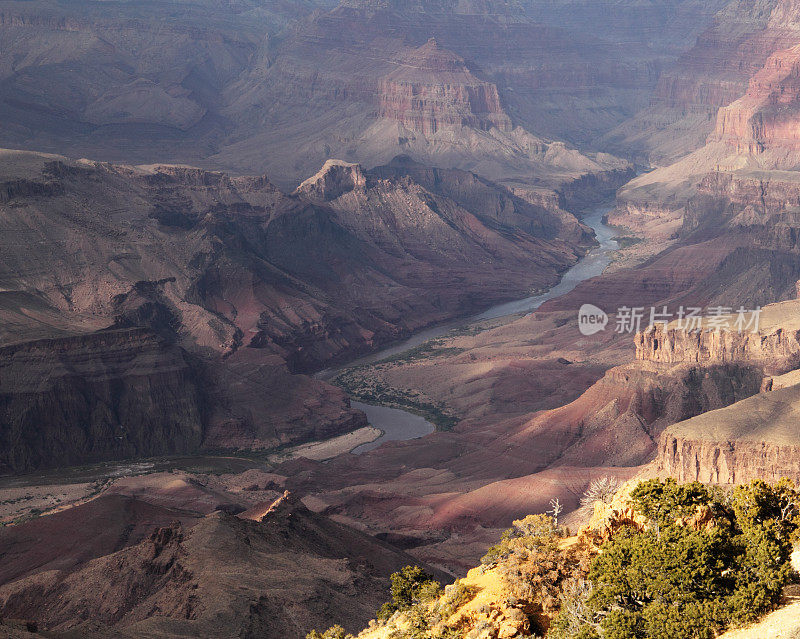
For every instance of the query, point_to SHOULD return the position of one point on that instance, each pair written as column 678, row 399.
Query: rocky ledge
column 752, row 439
column 96, row 397
column 775, row 345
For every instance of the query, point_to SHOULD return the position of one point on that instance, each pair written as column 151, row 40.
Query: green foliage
column 410, row 586
column 663, row 501
column 455, row 597
column 619, row 624
column 334, row 632
column 532, row 531
column 706, row 561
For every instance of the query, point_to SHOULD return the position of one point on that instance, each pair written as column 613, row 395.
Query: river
column 399, row 425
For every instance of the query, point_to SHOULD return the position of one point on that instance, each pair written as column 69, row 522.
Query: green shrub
column 683, row 578
column 334, row 632
column 410, row 585
column 533, row 530
column 456, row 596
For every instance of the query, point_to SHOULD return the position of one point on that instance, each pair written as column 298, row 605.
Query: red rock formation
column 765, row 119
column 710, row 75
column 777, row 349
column 433, row 89
column 617, row 420
column 753, row 439
column 726, row 462
column 334, row 179
column 757, row 207
column 715, row 72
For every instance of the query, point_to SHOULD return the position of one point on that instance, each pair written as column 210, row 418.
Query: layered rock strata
column 753, row 439
column 432, row 89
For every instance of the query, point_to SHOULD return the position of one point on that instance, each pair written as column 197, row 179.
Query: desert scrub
column 531, row 532
column 626, row 241
column 455, row 597
column 602, row 490
column 694, row 562
column 413, row 591
column 427, row 350
column 706, row 561
column 334, row 632
column 410, row 586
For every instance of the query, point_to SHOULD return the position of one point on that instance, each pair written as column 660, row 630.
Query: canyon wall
column 764, row 119
column 777, row 349
column 706, row 77
column 432, row 89
column 765, row 204
column 753, row 439
column 219, row 85
column 729, row 462
column 89, row 398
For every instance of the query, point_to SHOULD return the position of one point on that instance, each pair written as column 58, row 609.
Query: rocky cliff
column 430, row 96
column 708, row 76
column 753, row 439
column 433, row 89
column 217, row 85
column 775, row 345
column 764, row 121
column 617, row 421
column 753, row 130
column 750, row 439
column 756, row 200
column 106, row 395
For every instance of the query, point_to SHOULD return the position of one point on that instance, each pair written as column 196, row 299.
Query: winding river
column 399, row 425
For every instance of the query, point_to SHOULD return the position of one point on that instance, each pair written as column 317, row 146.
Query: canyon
column 165, row 309
column 251, row 89
column 744, row 125
column 277, row 193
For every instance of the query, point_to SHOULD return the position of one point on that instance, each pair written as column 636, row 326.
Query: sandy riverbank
column 330, row 448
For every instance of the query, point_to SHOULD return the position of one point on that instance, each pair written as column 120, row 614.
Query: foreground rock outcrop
column 277, row 577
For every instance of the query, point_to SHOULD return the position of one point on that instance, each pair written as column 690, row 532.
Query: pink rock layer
column 433, row 89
